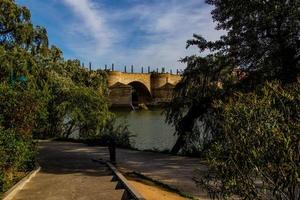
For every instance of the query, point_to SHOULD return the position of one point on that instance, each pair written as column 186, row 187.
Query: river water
column 149, row 127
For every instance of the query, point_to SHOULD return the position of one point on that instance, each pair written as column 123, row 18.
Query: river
column 149, row 127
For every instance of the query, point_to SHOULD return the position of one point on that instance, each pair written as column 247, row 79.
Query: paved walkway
column 68, row 172
column 175, row 171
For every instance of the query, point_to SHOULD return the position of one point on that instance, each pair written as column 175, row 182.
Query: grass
column 18, row 176
column 149, row 181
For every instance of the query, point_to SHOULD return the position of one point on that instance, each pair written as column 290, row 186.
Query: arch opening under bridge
column 140, row 93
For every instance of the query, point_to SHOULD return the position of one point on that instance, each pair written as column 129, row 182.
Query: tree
column 39, row 90
column 16, row 28
column 262, row 40
column 262, row 36
column 203, row 81
column 78, row 95
column 253, row 146
column 258, row 155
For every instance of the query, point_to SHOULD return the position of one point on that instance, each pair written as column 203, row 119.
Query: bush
column 258, row 155
column 118, row 135
column 17, row 155
column 113, row 134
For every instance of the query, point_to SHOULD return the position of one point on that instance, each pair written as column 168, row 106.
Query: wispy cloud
column 90, row 28
column 166, row 27
column 125, row 32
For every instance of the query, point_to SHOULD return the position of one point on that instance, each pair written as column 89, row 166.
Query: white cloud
column 167, row 27
column 90, row 28
column 163, row 26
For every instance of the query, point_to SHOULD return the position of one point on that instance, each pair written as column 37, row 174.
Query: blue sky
column 125, row 32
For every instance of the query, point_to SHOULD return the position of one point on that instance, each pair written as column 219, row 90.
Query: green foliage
column 262, row 36
column 77, row 101
column 16, row 29
column 116, row 135
column 252, row 136
column 258, row 154
column 17, row 155
column 203, row 81
column 41, row 94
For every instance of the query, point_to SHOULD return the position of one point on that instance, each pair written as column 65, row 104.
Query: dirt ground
column 154, row 193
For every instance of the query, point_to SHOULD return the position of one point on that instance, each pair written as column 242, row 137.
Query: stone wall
column 120, row 94
column 159, row 85
column 163, row 94
column 126, row 78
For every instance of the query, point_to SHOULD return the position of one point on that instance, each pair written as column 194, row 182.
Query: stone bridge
column 136, row 88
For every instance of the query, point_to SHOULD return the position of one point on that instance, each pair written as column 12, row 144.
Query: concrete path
column 175, row 171
column 68, row 172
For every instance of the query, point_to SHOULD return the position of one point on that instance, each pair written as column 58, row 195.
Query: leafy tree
column 258, row 155
column 262, row 39
column 76, row 94
column 40, row 91
column 262, row 36
column 203, row 81
column 16, row 29
column 253, row 143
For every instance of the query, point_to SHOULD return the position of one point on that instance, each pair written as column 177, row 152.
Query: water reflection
column 149, row 127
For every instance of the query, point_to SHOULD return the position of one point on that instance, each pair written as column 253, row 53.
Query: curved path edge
column 10, row 194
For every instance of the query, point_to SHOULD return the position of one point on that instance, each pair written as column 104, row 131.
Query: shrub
column 258, row 155
column 116, row 135
column 17, row 154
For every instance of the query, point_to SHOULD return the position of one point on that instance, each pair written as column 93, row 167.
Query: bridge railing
column 142, row 69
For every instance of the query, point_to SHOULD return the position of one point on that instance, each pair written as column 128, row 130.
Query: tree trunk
column 178, row 145
column 69, row 131
column 185, row 126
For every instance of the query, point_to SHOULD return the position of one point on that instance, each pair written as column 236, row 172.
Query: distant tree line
column 239, row 106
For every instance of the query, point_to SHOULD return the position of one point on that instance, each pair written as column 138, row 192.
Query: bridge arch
column 140, row 93
column 126, row 78
column 150, row 88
